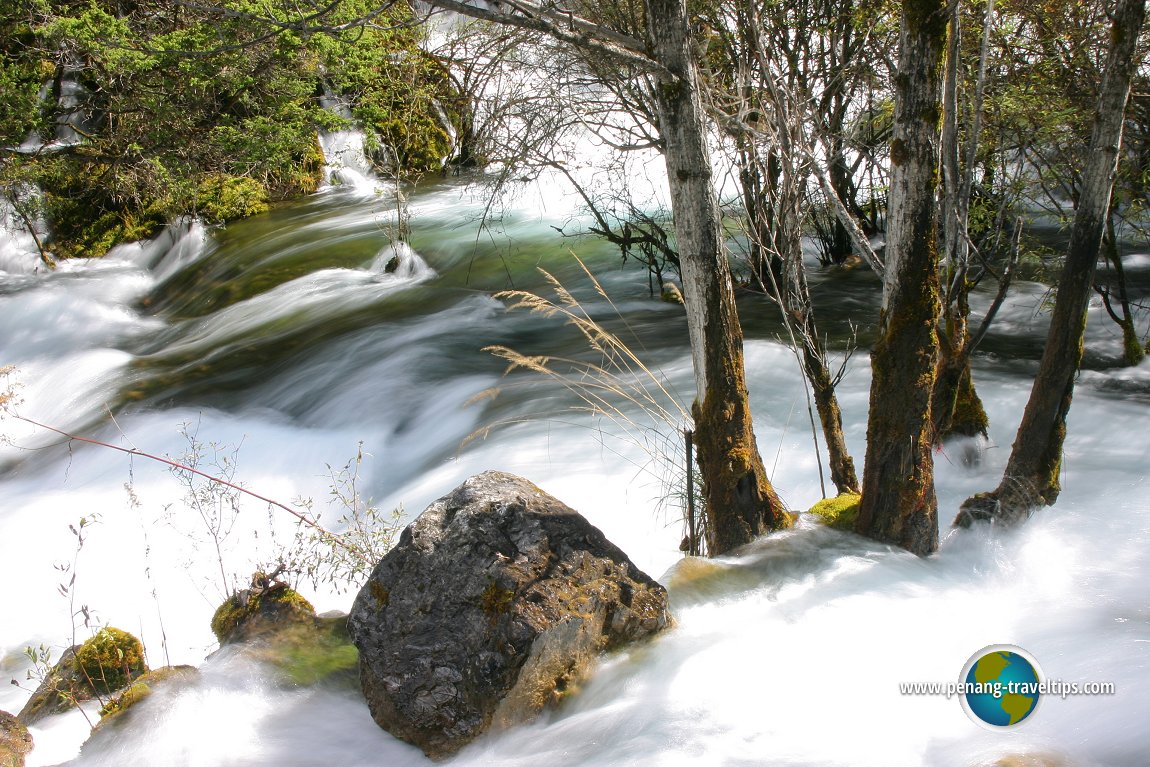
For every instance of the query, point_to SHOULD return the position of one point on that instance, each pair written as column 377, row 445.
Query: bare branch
column 565, row 27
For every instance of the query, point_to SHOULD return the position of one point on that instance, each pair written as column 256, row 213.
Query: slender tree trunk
column 1032, row 472
column 842, row 466
column 956, row 406
column 898, row 501
column 1132, row 351
column 794, row 297
column 741, row 504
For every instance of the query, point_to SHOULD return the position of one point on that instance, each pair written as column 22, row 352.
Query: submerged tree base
column 1002, row 507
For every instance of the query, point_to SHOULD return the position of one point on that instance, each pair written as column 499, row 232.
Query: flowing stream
column 282, row 342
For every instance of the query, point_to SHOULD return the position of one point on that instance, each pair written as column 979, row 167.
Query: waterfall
column 347, row 165
column 19, row 253
column 72, row 121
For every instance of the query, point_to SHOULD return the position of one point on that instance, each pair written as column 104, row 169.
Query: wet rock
column 109, row 661
column 494, row 603
column 273, row 624
column 670, row 293
column 119, row 710
column 267, row 608
column 1033, row 759
column 15, row 741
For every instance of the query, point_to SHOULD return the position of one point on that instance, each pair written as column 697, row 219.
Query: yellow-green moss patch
column 143, row 687
column 110, row 660
column 839, row 512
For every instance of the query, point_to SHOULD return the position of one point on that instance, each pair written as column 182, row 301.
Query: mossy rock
column 114, row 710
column 15, row 741
column 90, row 211
column 252, row 613
column 74, row 236
column 110, row 660
column 839, row 512
column 273, row 624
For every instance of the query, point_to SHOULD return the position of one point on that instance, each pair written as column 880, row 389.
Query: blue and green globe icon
column 1001, row 686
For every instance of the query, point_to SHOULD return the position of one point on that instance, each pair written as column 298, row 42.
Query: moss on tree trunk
column 1032, row 473
column 741, row 503
column 898, row 501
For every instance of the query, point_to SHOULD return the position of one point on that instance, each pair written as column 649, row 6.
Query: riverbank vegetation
column 118, row 117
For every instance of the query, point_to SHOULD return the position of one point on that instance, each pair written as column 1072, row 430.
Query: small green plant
column 110, row 660
column 366, row 533
column 207, row 474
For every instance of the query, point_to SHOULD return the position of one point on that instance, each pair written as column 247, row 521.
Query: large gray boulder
column 494, row 603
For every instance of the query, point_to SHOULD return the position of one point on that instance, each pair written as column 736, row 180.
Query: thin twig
column 334, row 537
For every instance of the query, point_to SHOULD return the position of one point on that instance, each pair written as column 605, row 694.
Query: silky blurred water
column 286, row 340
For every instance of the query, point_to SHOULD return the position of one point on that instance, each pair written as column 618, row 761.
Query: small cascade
column 19, row 252
column 72, row 120
column 401, row 262
column 347, row 164
column 449, row 127
column 178, row 245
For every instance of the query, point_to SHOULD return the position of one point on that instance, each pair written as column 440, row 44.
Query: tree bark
column 898, row 501
column 1132, row 351
column 740, row 502
column 956, row 406
column 1032, row 473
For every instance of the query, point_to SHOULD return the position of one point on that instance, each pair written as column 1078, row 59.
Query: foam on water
column 788, row 655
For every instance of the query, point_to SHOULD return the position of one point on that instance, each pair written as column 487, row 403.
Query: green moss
column 969, row 415
column 143, row 687
column 221, row 198
column 380, row 593
column 110, row 660
column 227, row 617
column 839, row 512
column 496, row 600
column 307, row 175
column 309, row 660
column 243, row 612
column 1133, row 352
column 93, row 206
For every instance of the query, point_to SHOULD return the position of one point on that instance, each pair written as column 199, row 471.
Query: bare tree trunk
column 741, row 504
column 1032, row 472
column 956, row 406
column 792, row 292
column 898, row 501
column 1132, row 351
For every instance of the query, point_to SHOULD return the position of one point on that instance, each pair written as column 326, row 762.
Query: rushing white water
column 18, row 251
column 72, row 120
column 788, row 655
column 347, row 166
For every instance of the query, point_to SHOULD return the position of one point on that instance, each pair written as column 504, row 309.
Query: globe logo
column 1001, row 686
